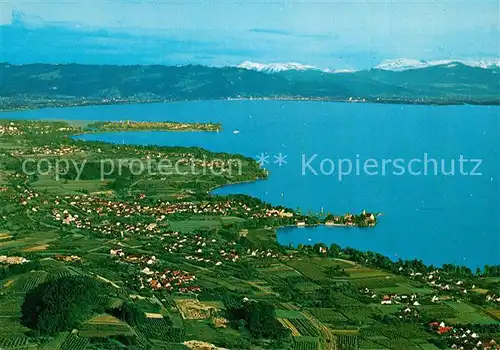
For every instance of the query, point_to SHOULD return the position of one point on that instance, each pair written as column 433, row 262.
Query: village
column 191, row 258
column 151, row 215
column 363, row 219
column 195, row 249
column 463, row 338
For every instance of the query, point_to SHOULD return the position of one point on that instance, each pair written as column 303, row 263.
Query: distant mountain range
column 396, row 65
column 42, row 85
column 275, row 67
column 401, row 64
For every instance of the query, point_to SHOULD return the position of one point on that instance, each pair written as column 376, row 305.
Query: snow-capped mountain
column 280, row 67
column 401, row 64
column 397, row 65
column 346, row 70
column 275, row 67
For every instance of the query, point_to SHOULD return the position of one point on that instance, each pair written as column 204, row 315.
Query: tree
column 129, row 313
column 61, row 304
column 334, row 251
column 259, row 318
column 320, row 247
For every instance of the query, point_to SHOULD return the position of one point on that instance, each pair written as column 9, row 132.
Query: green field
column 282, row 313
column 193, row 224
column 50, row 185
column 404, row 289
column 308, row 269
column 468, row 314
column 328, row 316
column 202, row 330
column 306, row 343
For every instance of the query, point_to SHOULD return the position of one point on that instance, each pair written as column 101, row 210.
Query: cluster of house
column 449, row 284
column 133, row 258
column 220, row 322
column 389, row 299
column 42, row 128
column 281, row 213
column 171, row 280
column 147, row 153
column 196, row 248
column 263, row 253
column 462, row 338
column 91, row 205
column 122, row 209
column 223, row 255
column 112, row 217
column 158, row 212
column 66, row 218
column 349, row 219
column 12, row 260
column 408, row 313
column 435, row 280
column 50, row 151
column 27, row 196
column 458, row 286
column 492, row 297
column 68, row 258
column 224, row 165
column 200, row 249
column 10, row 129
column 411, row 299
column 206, row 250
column 175, row 241
column 368, row 217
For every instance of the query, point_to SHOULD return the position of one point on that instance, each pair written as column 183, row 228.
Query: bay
column 436, row 218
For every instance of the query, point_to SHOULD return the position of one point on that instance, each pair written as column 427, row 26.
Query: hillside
column 42, row 85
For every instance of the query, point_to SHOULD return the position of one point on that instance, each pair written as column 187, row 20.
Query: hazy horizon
column 334, row 35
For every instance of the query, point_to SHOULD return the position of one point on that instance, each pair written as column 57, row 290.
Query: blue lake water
column 439, row 219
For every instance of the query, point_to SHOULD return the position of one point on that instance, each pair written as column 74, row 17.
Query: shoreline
column 211, row 192
column 90, row 132
column 235, row 183
column 396, row 101
column 248, row 181
column 296, row 225
column 324, row 225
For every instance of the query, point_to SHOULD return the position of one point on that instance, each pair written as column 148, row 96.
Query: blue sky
column 331, row 34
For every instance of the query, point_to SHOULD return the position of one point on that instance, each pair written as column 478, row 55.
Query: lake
column 435, row 217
